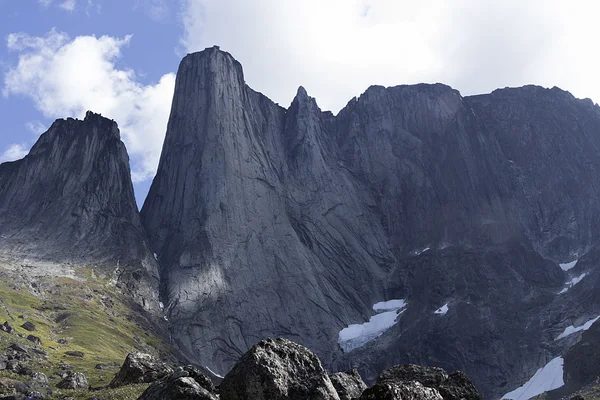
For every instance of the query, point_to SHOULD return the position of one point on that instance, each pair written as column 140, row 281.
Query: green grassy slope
column 87, row 314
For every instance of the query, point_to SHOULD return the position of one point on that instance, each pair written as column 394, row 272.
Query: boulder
column 74, row 381
column 278, row 369
column 7, row 327
column 140, row 368
column 400, row 391
column 29, row 326
column 38, row 386
column 39, row 377
column 8, row 385
column 182, row 384
column 455, row 386
column 17, row 348
column 349, row 385
column 427, row 376
column 79, row 354
column 34, row 339
column 459, row 387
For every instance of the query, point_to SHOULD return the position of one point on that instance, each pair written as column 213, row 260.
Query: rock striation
column 294, row 222
column 71, row 201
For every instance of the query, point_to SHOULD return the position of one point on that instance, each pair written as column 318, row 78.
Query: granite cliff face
column 294, row 222
column 70, row 201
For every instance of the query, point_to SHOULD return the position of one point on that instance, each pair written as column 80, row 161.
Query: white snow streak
column 442, row 310
column 569, row 330
column 389, row 305
column 573, row 282
column 212, row 372
column 549, row 377
column 568, row 266
column 422, row 251
column 357, row 335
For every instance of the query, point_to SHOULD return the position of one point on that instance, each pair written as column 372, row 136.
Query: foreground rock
column 400, row 391
column 74, row 381
column 140, row 368
column 186, row 383
column 349, row 385
column 278, row 369
column 426, row 383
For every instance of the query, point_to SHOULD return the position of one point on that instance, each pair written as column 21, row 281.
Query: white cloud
column 14, row 152
column 67, row 77
column 158, row 10
column 36, row 127
column 68, row 5
column 337, row 48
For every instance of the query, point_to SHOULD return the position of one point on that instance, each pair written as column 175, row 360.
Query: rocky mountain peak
column 298, row 223
column 71, row 200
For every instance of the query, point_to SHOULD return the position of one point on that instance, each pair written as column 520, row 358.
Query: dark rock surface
column 293, row 222
column 418, row 382
column 74, row 380
column 7, row 327
column 71, row 201
column 582, row 361
column 278, row 369
column 186, row 383
column 28, row 326
column 348, row 385
column 139, row 368
column 34, row 339
column 427, row 376
column 402, row 391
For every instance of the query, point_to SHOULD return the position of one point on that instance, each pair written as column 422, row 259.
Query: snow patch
column 568, row 266
column 442, row 310
column 569, row 330
column 389, row 305
column 573, row 282
column 418, row 253
column 357, row 335
column 161, row 305
column 155, row 256
column 549, row 377
column 213, row 372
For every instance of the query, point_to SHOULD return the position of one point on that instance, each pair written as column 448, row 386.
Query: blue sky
column 59, row 58
column 152, row 50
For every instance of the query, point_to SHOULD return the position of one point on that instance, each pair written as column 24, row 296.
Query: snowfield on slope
column 442, row 310
column 547, row 378
column 357, row 335
column 569, row 330
column 573, row 282
column 568, row 266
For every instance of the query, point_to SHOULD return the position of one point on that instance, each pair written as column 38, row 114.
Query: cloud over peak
column 67, row 77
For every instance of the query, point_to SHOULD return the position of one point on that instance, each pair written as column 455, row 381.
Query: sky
column 60, row 58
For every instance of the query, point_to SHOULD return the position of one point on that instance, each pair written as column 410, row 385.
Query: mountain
column 296, row 222
column 70, row 202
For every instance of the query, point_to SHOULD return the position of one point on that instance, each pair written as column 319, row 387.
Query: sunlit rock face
column 275, row 222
